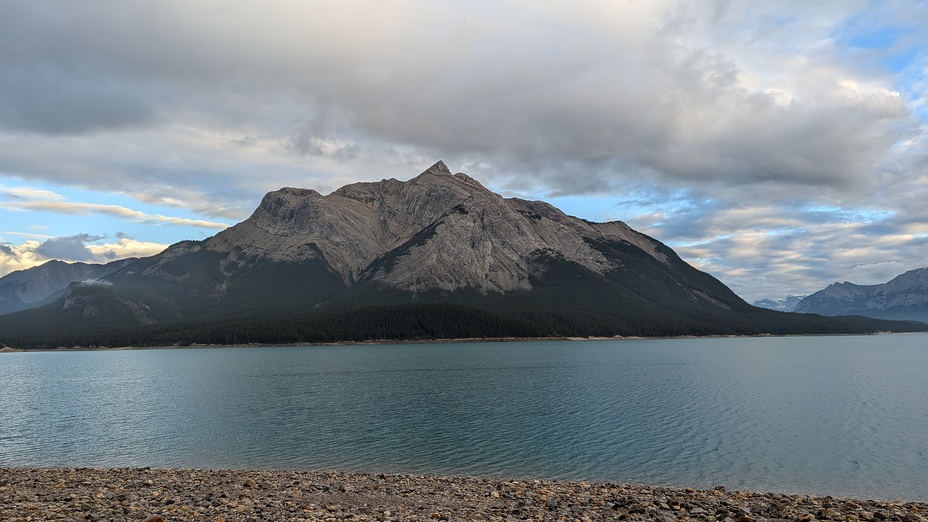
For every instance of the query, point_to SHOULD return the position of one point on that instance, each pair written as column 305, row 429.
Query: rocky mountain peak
column 438, row 168
column 436, row 231
column 912, row 278
column 903, row 297
column 440, row 172
column 286, row 200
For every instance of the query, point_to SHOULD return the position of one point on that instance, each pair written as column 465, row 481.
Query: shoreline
column 464, row 340
column 170, row 495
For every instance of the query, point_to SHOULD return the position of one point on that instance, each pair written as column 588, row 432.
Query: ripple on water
column 819, row 415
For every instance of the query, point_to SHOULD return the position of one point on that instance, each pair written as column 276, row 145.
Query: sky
column 779, row 146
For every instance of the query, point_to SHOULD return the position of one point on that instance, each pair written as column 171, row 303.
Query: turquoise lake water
column 825, row 415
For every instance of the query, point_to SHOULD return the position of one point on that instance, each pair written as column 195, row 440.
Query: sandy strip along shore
column 173, row 495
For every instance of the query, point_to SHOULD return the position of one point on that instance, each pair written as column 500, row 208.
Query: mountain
column 781, row 305
column 33, row 287
column 905, row 297
column 438, row 256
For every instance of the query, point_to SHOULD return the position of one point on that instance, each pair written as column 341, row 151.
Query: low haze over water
column 828, row 415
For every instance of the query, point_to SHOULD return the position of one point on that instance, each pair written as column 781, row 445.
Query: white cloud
column 47, row 201
column 80, row 248
column 116, row 211
column 123, row 248
column 19, row 257
column 28, row 194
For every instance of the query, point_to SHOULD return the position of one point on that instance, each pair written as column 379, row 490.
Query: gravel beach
column 85, row 494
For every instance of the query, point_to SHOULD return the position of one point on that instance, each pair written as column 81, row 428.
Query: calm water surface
column 827, row 415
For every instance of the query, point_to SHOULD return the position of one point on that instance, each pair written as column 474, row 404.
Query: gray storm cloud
column 616, row 91
column 71, row 248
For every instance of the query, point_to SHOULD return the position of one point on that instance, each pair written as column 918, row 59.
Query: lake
column 825, row 415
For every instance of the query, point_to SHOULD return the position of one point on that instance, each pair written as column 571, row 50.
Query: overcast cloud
column 780, row 147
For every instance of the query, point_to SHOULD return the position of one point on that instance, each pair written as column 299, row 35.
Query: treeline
column 393, row 322
column 424, row 321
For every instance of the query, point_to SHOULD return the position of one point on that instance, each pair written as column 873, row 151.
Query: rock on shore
column 85, row 494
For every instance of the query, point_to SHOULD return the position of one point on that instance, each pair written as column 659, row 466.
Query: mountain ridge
column 39, row 285
column 780, row 305
column 904, row 297
column 357, row 224
column 436, row 256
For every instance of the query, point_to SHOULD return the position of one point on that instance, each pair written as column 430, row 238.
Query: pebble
column 32, row 494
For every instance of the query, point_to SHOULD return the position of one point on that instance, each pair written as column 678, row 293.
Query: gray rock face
column 438, row 230
column 903, row 297
column 35, row 286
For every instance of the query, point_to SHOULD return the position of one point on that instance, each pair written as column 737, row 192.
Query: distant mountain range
column 438, row 256
column 780, row 305
column 905, row 297
column 39, row 285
